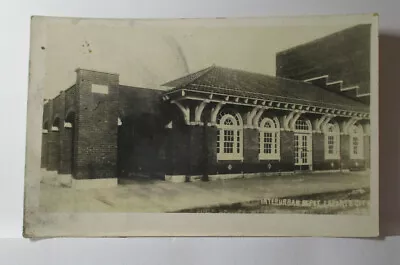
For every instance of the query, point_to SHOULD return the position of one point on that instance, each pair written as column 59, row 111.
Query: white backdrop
column 14, row 50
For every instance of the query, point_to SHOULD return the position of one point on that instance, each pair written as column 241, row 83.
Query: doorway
column 303, row 145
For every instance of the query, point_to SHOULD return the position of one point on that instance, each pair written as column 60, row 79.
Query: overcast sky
column 150, row 53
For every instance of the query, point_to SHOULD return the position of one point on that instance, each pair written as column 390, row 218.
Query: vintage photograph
column 180, row 117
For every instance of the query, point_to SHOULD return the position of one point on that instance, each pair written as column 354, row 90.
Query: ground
column 236, row 195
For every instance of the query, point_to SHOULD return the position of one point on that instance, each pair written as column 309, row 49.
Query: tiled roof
column 235, row 82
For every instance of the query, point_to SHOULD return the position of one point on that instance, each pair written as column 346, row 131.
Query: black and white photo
column 203, row 118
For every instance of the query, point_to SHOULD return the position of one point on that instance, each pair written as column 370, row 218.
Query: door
column 302, row 149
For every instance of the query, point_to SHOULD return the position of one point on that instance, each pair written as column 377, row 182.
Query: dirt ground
column 162, row 196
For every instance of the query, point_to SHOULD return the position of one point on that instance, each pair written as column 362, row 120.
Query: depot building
column 219, row 122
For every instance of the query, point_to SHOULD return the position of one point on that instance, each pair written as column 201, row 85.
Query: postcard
column 203, row 127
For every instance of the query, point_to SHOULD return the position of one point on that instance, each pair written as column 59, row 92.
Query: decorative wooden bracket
column 367, row 129
column 292, row 122
column 257, row 117
column 185, row 110
column 346, row 125
column 286, row 120
column 321, row 122
column 325, row 122
column 250, row 116
column 214, row 112
column 199, row 110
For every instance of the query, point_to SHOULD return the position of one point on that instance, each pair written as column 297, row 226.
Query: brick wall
column 344, row 55
column 287, row 151
column 126, row 162
column 59, row 110
column 318, row 143
column 44, row 154
column 53, row 151
column 58, row 152
column 319, row 161
column 251, row 163
column 47, row 118
column 96, row 155
column 180, row 156
column 135, row 101
column 96, row 147
column 347, row 163
column 196, row 149
column 58, row 105
column 142, row 137
column 141, row 154
column 211, row 142
column 46, row 114
column 70, row 97
column 223, row 166
column 345, row 151
column 70, row 135
column 251, row 145
column 45, row 126
column 66, row 145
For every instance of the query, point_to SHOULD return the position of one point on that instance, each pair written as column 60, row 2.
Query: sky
column 150, row 53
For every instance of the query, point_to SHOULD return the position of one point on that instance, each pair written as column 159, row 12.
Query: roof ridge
column 203, row 72
column 206, row 70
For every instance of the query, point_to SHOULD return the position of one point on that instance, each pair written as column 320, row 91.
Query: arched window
column 229, row 136
column 269, row 139
column 332, row 141
column 356, row 142
column 56, row 125
column 45, row 127
column 302, row 125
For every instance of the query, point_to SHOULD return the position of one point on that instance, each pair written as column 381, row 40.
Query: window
column 332, row 141
column 356, row 142
column 302, row 125
column 269, row 139
column 229, row 136
column 302, row 142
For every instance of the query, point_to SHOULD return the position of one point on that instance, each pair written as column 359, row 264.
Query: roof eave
column 321, row 108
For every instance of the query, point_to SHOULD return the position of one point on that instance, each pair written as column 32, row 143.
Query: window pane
column 301, row 125
column 228, row 122
column 229, row 140
column 218, row 140
column 238, row 141
column 355, row 145
column 331, row 144
column 267, row 140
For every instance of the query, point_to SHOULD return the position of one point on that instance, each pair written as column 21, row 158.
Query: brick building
column 219, row 122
